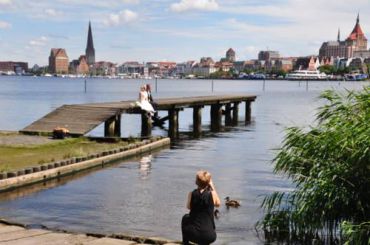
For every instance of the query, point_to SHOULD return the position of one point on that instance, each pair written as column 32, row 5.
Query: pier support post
column 216, row 117
column 146, row 124
column 236, row 113
column 112, row 127
column 228, row 118
column 173, row 128
column 197, row 120
column 248, row 112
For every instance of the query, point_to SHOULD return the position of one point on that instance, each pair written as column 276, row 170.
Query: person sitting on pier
column 199, row 226
column 144, row 101
column 150, row 97
column 155, row 117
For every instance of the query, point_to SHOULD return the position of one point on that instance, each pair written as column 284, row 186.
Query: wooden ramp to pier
column 78, row 119
column 19, row 235
column 82, row 118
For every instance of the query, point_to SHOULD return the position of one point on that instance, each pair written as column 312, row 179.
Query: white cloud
column 5, row 25
column 123, row 17
column 52, row 12
column 39, row 42
column 5, row 2
column 186, row 5
column 131, row 1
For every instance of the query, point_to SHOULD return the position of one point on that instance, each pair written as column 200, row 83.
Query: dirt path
column 14, row 139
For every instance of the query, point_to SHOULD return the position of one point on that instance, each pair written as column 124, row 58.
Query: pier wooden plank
column 81, row 119
column 6, row 229
column 21, row 234
column 44, row 239
column 109, row 241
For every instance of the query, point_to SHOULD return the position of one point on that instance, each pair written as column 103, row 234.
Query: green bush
column 329, row 164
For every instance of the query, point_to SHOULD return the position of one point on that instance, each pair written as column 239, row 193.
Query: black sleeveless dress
column 199, row 226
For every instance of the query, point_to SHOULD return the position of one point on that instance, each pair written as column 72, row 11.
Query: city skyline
column 176, row 30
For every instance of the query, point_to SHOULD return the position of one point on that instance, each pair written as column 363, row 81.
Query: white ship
column 306, row 75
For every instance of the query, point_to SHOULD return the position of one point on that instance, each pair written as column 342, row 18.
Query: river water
column 147, row 195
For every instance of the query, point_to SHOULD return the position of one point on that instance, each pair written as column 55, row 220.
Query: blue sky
column 173, row 30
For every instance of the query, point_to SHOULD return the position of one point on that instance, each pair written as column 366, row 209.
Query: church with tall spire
column 354, row 43
column 90, row 51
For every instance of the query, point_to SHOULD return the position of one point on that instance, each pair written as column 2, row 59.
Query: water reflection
column 145, row 165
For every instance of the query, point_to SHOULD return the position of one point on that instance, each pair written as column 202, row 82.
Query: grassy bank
column 14, row 157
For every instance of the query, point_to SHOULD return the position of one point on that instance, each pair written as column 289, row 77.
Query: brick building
column 310, row 63
column 268, row 55
column 11, row 66
column 354, row 43
column 58, row 61
column 79, row 66
column 230, row 55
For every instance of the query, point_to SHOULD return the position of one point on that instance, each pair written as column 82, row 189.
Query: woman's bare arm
column 215, row 197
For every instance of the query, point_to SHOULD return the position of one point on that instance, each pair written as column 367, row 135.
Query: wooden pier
column 82, row 118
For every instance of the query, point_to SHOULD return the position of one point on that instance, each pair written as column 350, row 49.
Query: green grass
column 19, row 157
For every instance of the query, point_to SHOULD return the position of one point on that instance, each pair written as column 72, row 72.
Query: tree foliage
column 330, row 166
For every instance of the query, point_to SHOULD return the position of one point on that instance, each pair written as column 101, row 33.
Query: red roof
column 357, row 31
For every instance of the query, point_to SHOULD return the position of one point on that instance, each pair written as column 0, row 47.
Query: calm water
column 147, row 196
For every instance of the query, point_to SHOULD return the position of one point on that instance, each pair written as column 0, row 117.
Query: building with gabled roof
column 58, row 61
column 79, row 66
column 355, row 43
column 230, row 55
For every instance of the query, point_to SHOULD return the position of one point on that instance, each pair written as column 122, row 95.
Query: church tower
column 90, row 51
column 338, row 37
column 356, row 41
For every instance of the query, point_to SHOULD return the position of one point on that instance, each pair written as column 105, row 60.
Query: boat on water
column 355, row 77
column 252, row 76
column 306, row 75
column 8, row 73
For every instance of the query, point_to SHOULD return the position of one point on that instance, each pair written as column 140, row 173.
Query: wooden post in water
column 156, row 85
column 216, row 117
column 173, row 128
column 228, row 118
column 248, row 112
column 112, row 127
column 146, row 124
column 197, row 120
column 236, row 113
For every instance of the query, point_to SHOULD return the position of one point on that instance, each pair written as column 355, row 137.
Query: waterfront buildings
column 131, row 69
column 105, row 68
column 355, row 44
column 310, row 63
column 268, row 55
column 79, row 66
column 90, row 50
column 285, row 64
column 230, row 55
column 224, row 66
column 58, row 61
column 13, row 67
column 205, row 67
column 185, row 69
